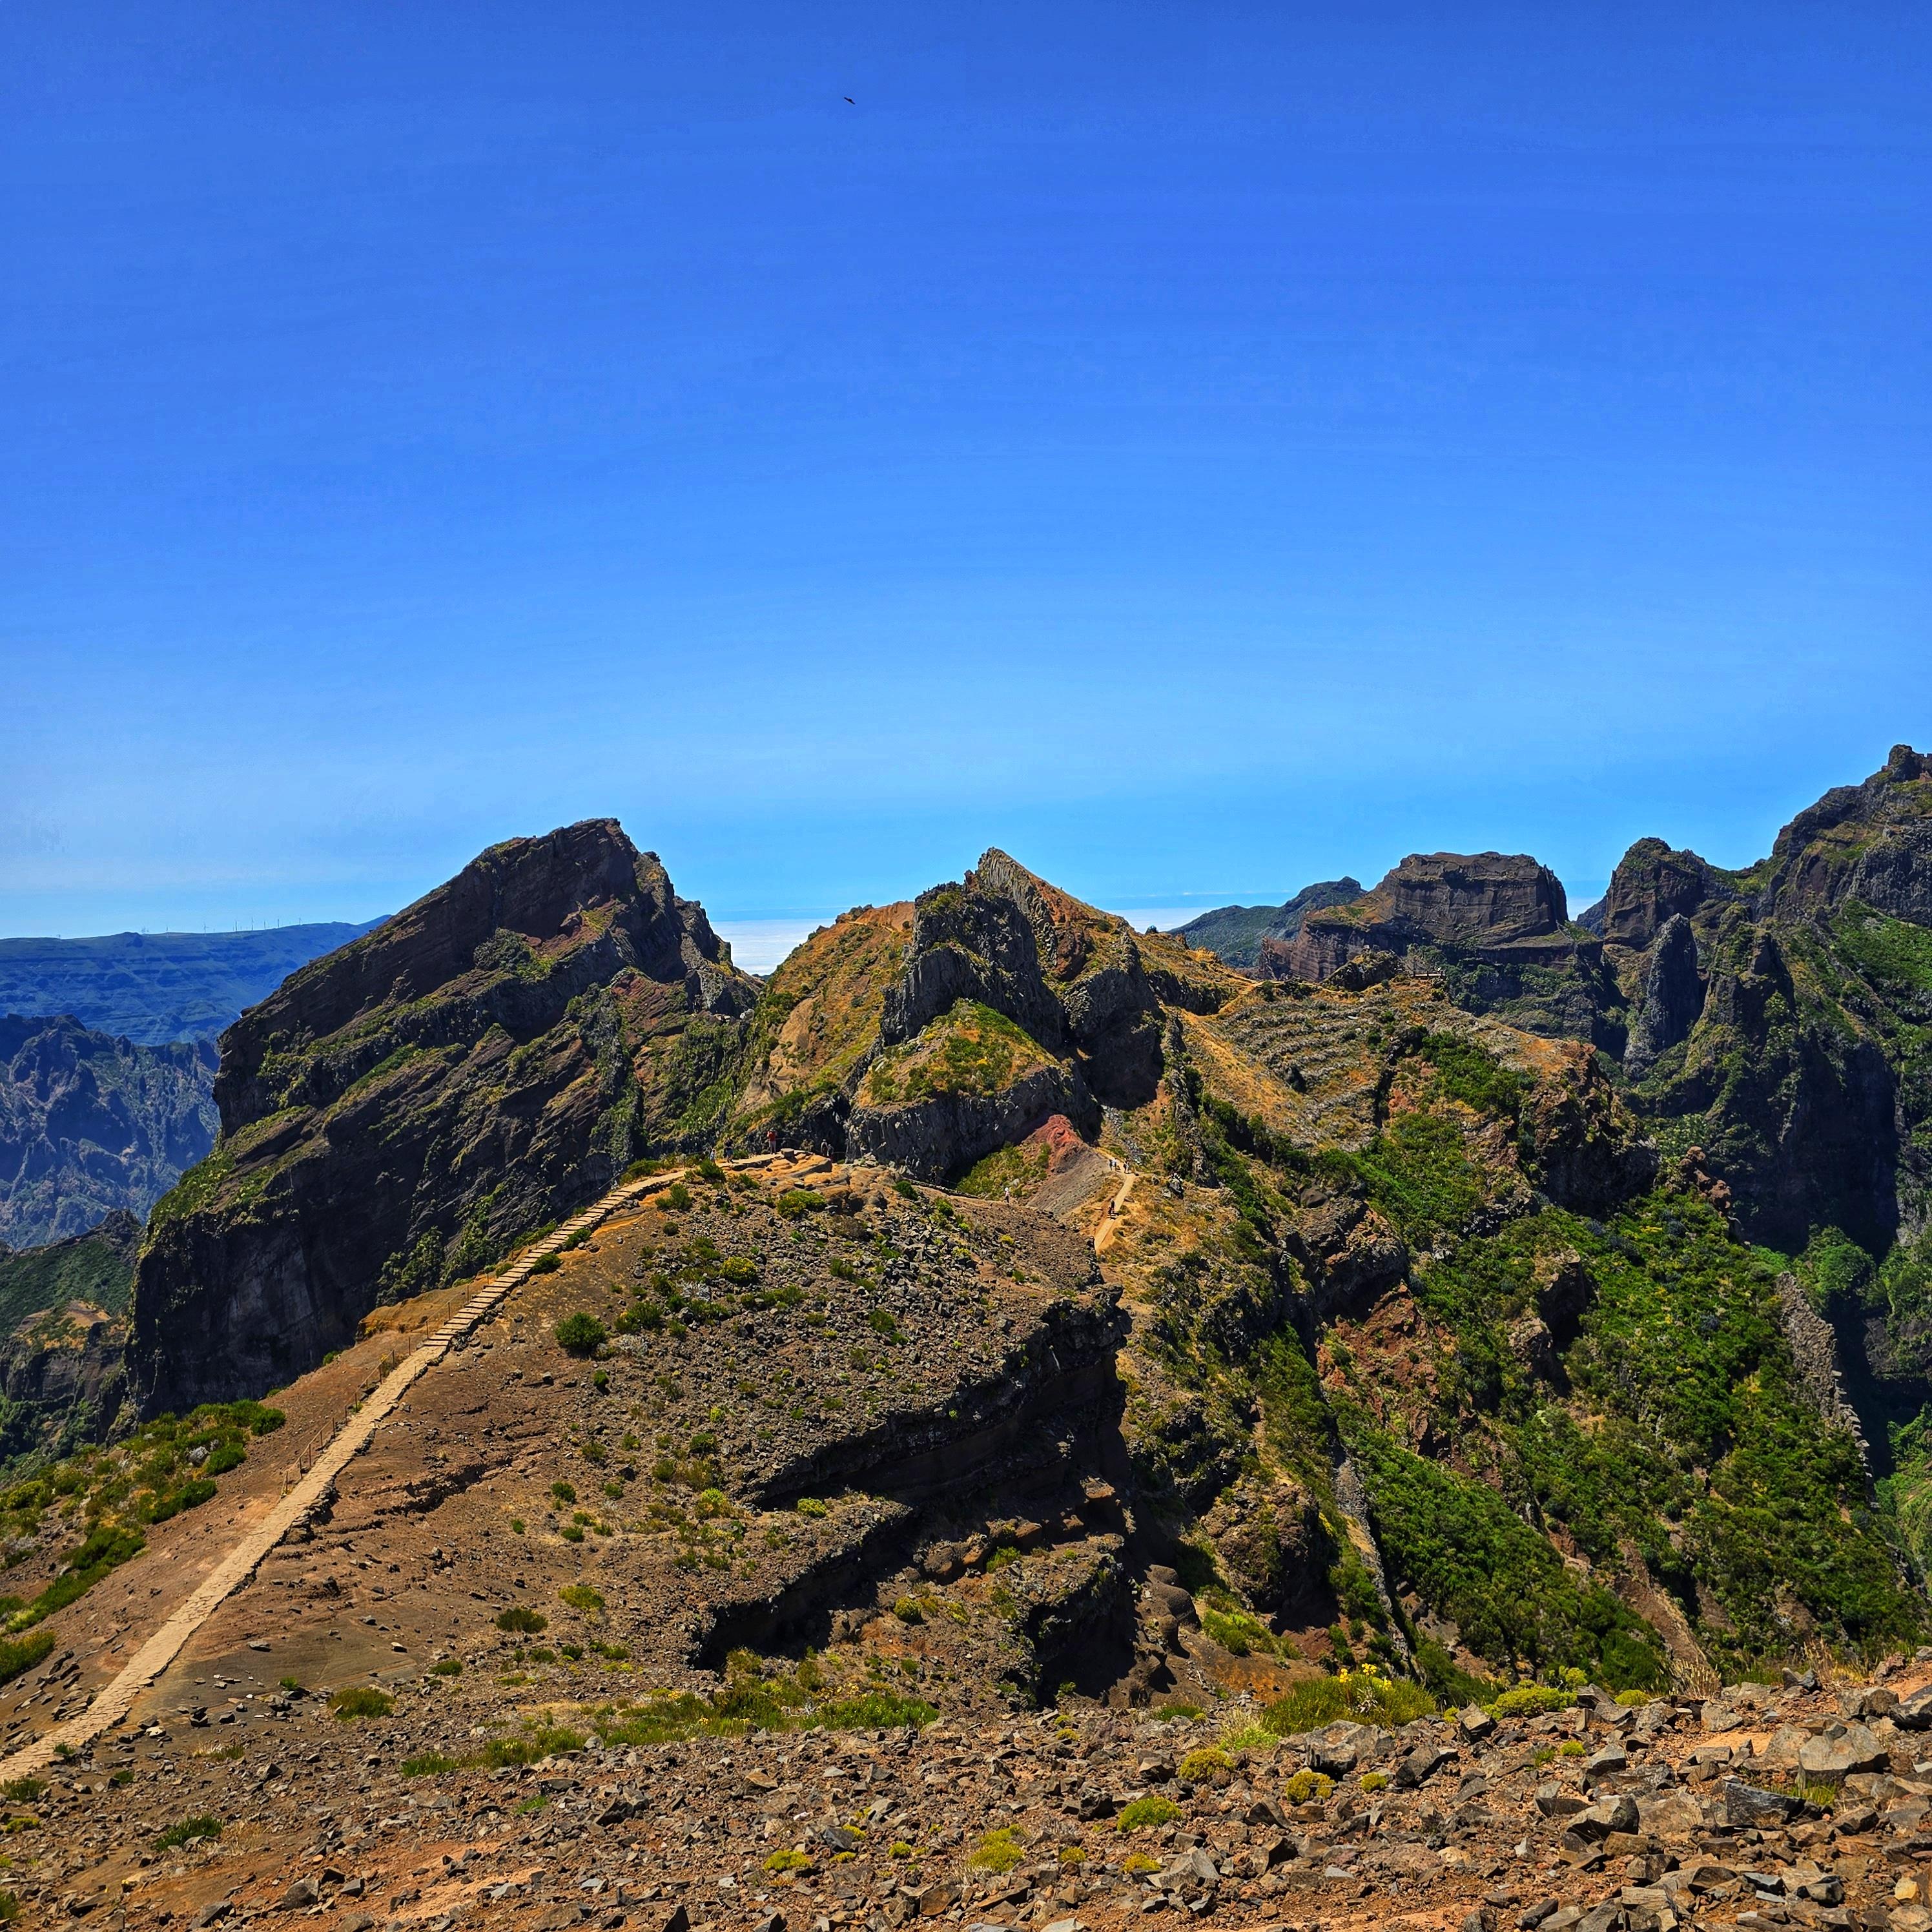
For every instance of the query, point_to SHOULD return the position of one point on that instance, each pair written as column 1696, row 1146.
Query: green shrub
column 737, row 1268
column 545, row 1264
column 789, row 1859
column 1375, row 1780
column 518, row 1617
column 1308, row 1787
column 447, row 1667
column 998, row 1851
column 1204, row 1765
column 1511, row 1596
column 431, row 1764
column 563, row 1492
column 1531, row 1700
column 22, row 1790
column 1448, row 1682
column 581, row 1596
column 581, row 1333
column 1144, row 1814
column 810, row 1506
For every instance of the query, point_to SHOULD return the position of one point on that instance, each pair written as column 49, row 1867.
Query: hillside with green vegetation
column 97, row 1267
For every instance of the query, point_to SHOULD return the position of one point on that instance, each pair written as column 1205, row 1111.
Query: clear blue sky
column 1200, row 447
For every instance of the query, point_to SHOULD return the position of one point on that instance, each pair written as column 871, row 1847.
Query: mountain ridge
column 154, row 988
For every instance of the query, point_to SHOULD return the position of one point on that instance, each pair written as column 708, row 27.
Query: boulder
column 1749, row 1806
column 1842, row 1750
column 1421, row 1764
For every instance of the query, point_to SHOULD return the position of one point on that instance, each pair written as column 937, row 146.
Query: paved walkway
column 117, row 1698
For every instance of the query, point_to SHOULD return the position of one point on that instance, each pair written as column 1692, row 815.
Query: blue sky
column 1201, row 448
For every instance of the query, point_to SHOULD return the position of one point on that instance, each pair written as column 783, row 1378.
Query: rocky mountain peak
column 564, row 912
column 397, row 1112
column 1870, row 842
column 1483, row 898
column 1652, row 885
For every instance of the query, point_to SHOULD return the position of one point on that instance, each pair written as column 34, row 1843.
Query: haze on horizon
column 1199, row 452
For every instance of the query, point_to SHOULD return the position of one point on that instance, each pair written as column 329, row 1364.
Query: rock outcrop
column 487, row 1060
column 1485, row 903
column 91, row 1124
column 1870, row 843
column 1494, row 925
column 931, row 1035
column 1673, row 997
column 1651, row 886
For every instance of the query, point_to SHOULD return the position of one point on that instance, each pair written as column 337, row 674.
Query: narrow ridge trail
column 117, row 1697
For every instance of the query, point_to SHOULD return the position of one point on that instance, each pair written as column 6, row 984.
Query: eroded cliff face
column 488, row 1060
column 92, row 1125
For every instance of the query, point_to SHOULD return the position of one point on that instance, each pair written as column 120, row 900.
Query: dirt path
column 117, row 1698
column 1111, row 1222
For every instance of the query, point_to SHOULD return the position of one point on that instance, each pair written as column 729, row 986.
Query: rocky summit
column 397, row 1112
column 1013, row 1421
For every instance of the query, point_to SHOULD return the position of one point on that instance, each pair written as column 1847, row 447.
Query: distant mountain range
column 107, row 1058
column 1233, row 933
column 152, row 987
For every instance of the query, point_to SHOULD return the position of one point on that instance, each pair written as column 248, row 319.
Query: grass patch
column 21, row 1654
column 205, row 1825
column 1364, row 1696
column 361, row 1700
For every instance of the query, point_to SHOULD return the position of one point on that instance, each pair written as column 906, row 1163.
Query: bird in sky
column 850, row 102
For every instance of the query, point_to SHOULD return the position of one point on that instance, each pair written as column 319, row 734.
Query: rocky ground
column 1798, row 1806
